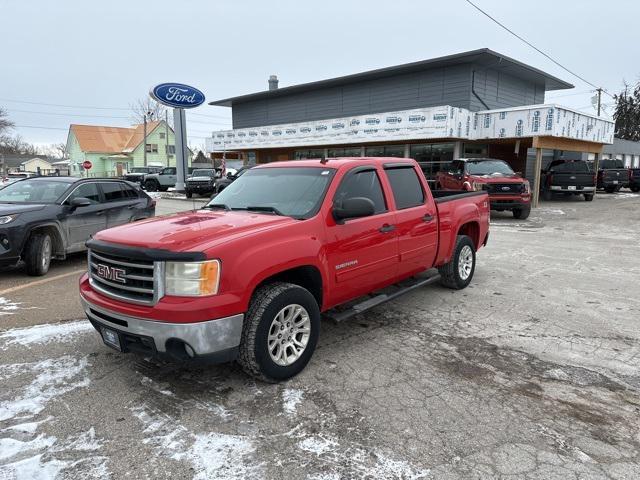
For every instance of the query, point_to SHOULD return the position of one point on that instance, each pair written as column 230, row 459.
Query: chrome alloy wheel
column 465, row 262
column 289, row 334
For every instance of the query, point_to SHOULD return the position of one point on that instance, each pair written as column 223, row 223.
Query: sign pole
column 180, row 131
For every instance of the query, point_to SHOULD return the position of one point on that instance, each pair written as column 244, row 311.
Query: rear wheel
column 457, row 274
column 635, row 188
column 37, row 255
column 522, row 213
column 189, row 194
column 162, row 188
column 280, row 332
column 588, row 197
column 151, row 186
column 610, row 189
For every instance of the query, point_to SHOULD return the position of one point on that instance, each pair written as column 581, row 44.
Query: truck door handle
column 427, row 218
column 386, row 228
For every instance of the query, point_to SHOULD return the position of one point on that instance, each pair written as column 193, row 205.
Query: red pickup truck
column 248, row 276
column 507, row 190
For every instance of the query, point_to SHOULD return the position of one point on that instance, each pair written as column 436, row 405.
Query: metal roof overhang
column 484, row 57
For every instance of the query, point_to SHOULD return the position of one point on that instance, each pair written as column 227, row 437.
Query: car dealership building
column 473, row 104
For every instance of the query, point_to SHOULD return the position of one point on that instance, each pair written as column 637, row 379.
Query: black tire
column 37, row 254
column 635, row 188
column 588, row 197
column 266, row 303
column 522, row 213
column 163, row 189
column 450, row 272
column 189, row 194
column 151, row 186
column 546, row 195
column 610, row 189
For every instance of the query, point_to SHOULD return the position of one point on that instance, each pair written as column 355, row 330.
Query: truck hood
column 191, row 231
column 496, row 178
column 12, row 208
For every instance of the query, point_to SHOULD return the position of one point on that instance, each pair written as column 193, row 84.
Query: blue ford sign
column 177, row 95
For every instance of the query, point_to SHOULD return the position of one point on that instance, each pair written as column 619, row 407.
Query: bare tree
column 5, row 123
column 149, row 107
column 16, row 144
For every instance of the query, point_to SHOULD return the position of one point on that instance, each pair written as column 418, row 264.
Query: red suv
column 507, row 190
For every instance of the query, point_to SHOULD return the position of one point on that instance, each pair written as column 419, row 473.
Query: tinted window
column 169, row 171
column 570, row 167
column 406, row 187
column 33, row 191
column 112, row 192
column 362, row 184
column 489, row 167
column 129, row 192
column 88, row 190
column 610, row 163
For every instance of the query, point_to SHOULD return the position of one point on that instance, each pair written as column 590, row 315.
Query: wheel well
column 57, row 243
column 306, row 276
column 471, row 230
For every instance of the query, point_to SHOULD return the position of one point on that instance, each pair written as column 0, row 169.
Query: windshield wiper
column 218, row 206
column 264, row 209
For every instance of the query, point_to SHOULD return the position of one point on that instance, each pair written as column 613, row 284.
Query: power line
column 66, row 114
column 534, row 47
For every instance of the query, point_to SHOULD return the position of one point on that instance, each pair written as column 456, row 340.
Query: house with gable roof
column 113, row 151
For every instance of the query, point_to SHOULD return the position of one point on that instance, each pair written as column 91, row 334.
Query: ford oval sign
column 177, row 95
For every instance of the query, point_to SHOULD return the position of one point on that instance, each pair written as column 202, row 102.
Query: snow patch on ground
column 291, row 398
column 55, row 377
column 211, row 455
column 41, row 334
column 552, row 211
column 626, row 195
column 27, row 453
column 318, row 445
column 7, row 307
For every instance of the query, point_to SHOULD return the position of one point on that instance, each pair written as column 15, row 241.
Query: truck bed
column 441, row 196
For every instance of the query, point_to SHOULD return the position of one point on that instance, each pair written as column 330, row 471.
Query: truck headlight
column 526, row 188
column 7, row 218
column 192, row 279
column 477, row 187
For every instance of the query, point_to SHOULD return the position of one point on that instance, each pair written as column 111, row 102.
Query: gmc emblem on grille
column 111, row 273
column 506, row 189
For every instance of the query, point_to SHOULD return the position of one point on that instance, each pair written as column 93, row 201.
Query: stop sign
column 87, row 165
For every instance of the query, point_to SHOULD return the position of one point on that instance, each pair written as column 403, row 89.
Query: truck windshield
column 28, row 191
column 203, row 173
column 489, row 167
column 292, row 191
column 570, row 167
column 607, row 164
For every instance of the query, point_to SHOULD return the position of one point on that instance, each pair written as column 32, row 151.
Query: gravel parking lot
column 531, row 372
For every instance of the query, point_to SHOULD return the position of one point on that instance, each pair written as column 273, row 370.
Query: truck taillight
column 549, row 179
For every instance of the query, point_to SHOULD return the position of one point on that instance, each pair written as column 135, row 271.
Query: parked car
column 231, row 177
column 634, row 179
column 13, row 177
column 49, row 217
column 507, row 190
column 138, row 174
column 202, row 181
column 248, row 276
column 612, row 175
column 161, row 181
column 570, row 177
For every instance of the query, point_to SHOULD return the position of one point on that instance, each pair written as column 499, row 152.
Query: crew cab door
column 82, row 222
column 416, row 218
column 362, row 253
column 168, row 177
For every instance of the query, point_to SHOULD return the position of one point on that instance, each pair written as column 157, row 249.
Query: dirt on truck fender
column 248, row 276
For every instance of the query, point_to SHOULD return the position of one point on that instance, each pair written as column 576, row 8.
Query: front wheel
column 189, row 194
column 522, row 213
column 635, row 188
column 37, row 256
column 457, row 274
column 280, row 332
column 151, row 186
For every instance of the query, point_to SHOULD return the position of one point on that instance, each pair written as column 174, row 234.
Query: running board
column 338, row 316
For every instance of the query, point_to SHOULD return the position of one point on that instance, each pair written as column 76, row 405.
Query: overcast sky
column 108, row 54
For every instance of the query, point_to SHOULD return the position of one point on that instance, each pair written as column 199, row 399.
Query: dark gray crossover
column 49, row 217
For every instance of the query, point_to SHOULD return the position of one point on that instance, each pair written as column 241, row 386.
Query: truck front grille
column 506, row 188
column 125, row 279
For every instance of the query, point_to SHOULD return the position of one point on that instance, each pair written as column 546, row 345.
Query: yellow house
column 36, row 165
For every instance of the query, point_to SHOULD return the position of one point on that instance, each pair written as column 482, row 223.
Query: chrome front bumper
column 558, row 188
column 205, row 338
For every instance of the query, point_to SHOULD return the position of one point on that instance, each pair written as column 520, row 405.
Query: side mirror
column 354, row 207
column 230, row 175
column 80, row 202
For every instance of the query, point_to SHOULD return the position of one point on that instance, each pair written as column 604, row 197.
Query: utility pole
column 144, row 140
column 599, row 90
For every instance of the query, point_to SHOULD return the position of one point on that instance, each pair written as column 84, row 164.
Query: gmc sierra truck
column 507, row 189
column 248, row 276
